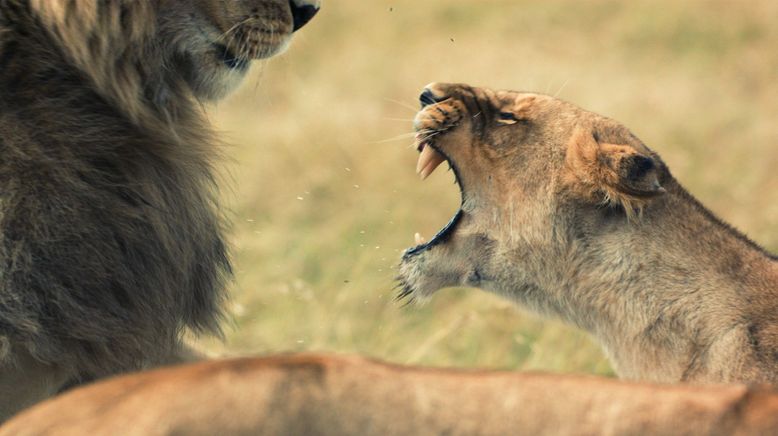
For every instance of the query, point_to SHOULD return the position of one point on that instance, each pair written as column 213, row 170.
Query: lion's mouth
column 248, row 43
column 430, row 158
column 229, row 58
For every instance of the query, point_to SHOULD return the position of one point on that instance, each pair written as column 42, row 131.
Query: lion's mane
column 111, row 239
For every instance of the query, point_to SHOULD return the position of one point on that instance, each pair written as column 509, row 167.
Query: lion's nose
column 302, row 12
column 428, row 97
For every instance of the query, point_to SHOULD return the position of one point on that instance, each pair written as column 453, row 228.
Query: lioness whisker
column 395, row 138
column 561, row 88
column 405, row 120
column 405, row 105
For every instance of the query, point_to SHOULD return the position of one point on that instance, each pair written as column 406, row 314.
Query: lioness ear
column 619, row 173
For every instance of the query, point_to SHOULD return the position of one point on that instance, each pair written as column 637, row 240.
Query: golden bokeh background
column 324, row 196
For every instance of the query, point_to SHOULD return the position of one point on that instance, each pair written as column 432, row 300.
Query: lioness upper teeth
column 419, row 239
column 429, row 159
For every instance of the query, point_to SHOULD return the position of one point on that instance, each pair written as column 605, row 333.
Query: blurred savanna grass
column 324, row 196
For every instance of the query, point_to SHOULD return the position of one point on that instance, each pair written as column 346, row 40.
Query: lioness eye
column 507, row 118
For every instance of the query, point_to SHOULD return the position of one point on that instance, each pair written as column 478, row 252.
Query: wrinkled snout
column 433, row 93
column 437, row 92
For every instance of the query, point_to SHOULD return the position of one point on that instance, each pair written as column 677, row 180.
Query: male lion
column 111, row 238
column 568, row 213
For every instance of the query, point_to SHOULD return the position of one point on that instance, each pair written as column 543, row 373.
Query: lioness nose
column 302, row 12
column 427, row 98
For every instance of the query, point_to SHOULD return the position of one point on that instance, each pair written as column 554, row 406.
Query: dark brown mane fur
column 111, row 241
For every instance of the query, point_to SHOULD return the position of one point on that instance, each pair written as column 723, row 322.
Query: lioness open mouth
column 430, row 158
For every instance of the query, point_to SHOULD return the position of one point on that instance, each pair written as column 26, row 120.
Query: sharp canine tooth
column 419, row 239
column 421, row 163
column 429, row 159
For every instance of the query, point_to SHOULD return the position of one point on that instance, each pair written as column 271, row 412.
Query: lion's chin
column 229, row 59
column 237, row 58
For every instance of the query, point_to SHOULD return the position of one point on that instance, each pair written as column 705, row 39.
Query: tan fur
column 112, row 241
column 333, row 395
column 592, row 170
column 569, row 214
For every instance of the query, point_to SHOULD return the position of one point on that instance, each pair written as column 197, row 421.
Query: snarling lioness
column 569, row 214
column 111, row 240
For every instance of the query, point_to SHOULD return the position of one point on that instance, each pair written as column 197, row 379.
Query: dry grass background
column 323, row 204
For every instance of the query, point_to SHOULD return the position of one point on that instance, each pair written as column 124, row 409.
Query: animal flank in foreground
column 352, row 396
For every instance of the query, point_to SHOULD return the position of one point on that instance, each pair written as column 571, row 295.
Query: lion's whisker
column 230, row 30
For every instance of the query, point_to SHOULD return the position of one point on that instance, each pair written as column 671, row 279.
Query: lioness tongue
column 429, row 159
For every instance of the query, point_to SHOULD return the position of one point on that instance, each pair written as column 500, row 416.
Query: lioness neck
column 678, row 295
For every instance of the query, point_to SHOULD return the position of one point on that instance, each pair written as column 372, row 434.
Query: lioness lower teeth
column 419, row 239
column 429, row 159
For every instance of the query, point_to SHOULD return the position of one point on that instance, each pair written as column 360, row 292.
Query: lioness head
column 533, row 172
